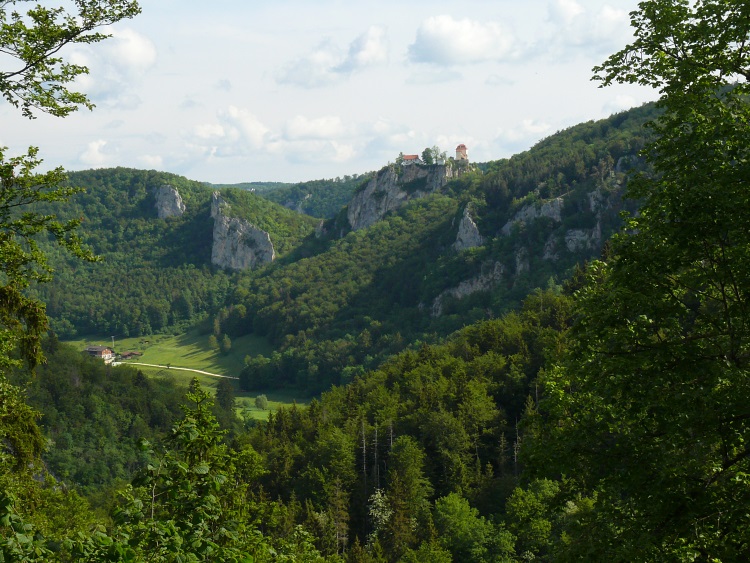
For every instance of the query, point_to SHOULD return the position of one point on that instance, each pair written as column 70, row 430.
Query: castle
column 461, row 154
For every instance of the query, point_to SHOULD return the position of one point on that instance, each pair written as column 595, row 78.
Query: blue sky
column 232, row 91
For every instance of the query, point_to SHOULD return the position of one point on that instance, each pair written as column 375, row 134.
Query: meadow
column 191, row 351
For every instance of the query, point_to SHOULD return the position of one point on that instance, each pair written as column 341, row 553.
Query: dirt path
column 173, row 367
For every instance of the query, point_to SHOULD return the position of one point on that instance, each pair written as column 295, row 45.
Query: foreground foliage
column 648, row 418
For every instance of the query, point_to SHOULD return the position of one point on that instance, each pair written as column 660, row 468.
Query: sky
column 233, row 91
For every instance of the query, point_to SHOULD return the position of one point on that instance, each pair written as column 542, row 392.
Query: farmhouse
column 102, row 352
column 410, row 159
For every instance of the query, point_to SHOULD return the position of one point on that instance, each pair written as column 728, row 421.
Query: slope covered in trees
column 155, row 273
column 318, row 198
column 602, row 421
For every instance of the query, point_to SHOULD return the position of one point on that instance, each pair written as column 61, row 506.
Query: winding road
column 173, row 367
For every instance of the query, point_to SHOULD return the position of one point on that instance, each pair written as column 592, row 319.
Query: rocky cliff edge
column 237, row 244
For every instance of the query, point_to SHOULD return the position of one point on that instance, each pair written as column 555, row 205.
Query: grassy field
column 189, row 350
column 192, row 351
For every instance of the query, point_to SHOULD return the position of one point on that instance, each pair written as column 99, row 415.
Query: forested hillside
column 333, row 306
column 500, row 379
column 154, row 273
column 318, row 198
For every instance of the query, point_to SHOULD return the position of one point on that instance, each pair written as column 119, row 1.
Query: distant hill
column 260, row 187
column 337, row 301
column 317, row 198
column 155, row 273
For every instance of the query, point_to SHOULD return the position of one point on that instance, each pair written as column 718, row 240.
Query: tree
column 36, row 81
column 427, row 156
column 225, row 395
column 38, row 75
column 226, row 345
column 467, row 535
column 648, row 418
column 189, row 504
column 261, row 402
column 213, row 343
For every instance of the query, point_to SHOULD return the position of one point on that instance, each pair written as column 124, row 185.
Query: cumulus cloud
column 602, row 30
column 328, row 63
column 619, row 103
column 96, row 154
column 521, row 136
column 116, row 66
column 443, row 40
column 565, row 10
column 311, row 151
column 152, row 161
column 301, row 127
column 237, row 132
column 369, row 49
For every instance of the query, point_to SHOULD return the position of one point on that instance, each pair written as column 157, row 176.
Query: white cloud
column 116, row 66
column 369, row 49
column 96, row 154
column 152, row 161
column 443, row 40
column 328, row 63
column 619, row 103
column 236, row 131
column 312, row 151
column 521, row 136
column 565, row 10
column 300, row 127
column 593, row 31
column 497, row 80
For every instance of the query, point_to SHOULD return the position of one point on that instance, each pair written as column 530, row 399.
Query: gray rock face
column 168, row 202
column 468, row 233
column 237, row 245
column 583, row 239
column 552, row 209
column 388, row 191
column 483, row 282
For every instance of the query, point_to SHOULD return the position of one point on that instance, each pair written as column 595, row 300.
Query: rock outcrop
column 551, row 208
column 583, row 239
column 389, row 190
column 168, row 202
column 468, row 234
column 237, row 245
column 482, row 282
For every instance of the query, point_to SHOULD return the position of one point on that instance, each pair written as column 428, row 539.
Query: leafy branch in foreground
column 34, row 39
column 22, row 318
column 648, row 418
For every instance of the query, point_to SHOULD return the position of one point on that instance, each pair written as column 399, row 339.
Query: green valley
column 539, row 358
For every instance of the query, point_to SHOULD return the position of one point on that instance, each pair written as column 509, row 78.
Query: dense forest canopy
column 603, row 417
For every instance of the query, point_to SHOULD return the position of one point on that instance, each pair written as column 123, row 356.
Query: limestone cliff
column 168, row 202
column 491, row 276
column 551, row 209
column 468, row 234
column 237, row 245
column 391, row 188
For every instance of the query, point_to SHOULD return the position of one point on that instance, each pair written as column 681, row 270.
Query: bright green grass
column 189, row 350
column 245, row 402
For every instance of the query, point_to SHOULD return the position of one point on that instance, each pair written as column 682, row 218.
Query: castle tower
column 461, row 154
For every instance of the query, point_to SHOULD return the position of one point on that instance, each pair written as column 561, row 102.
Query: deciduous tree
column 649, row 416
